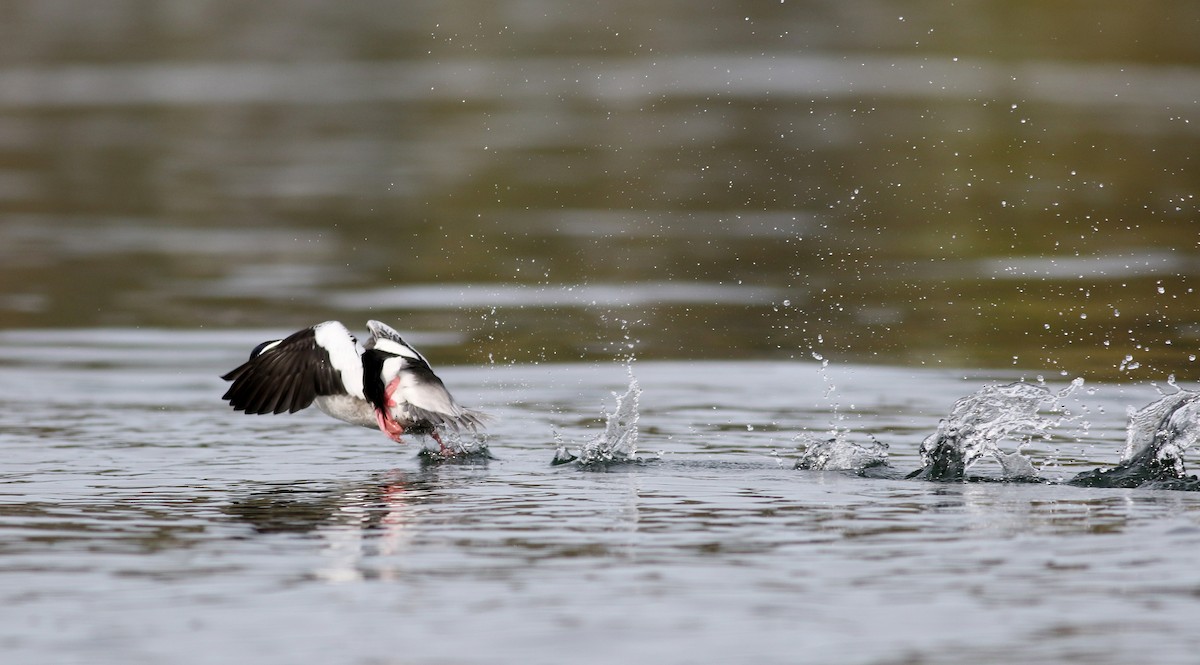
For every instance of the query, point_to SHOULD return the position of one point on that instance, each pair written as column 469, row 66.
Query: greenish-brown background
column 974, row 184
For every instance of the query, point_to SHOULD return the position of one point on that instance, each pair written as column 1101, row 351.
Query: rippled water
column 787, row 212
column 142, row 521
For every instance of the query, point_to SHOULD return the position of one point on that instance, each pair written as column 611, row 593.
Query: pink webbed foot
column 388, row 425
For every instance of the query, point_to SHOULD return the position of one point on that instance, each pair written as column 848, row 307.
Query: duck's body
column 385, row 383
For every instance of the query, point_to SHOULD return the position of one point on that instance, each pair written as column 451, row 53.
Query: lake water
column 796, row 220
column 142, row 521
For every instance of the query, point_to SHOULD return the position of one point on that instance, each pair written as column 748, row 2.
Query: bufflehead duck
column 385, row 383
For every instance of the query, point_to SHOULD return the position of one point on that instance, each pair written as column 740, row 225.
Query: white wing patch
column 268, row 346
column 343, row 354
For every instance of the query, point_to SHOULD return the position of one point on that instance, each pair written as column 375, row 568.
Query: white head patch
column 396, row 348
column 385, row 338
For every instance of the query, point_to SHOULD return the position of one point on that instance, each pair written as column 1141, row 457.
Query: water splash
column 840, row 454
column 618, row 442
column 837, row 452
column 460, row 446
column 978, row 422
column 1169, row 426
column 1157, row 437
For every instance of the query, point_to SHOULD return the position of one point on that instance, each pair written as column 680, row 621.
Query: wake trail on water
column 972, row 431
column 1157, row 438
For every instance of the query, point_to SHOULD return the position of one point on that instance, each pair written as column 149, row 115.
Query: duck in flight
column 384, row 383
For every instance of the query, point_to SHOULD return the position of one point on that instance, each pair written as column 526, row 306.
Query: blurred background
column 979, row 184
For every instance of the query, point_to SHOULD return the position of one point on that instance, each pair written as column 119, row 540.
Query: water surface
column 142, row 521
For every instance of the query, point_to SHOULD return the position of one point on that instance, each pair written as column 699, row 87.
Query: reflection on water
column 356, row 523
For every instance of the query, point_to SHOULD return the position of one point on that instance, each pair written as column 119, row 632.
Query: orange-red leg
column 444, row 450
column 388, row 425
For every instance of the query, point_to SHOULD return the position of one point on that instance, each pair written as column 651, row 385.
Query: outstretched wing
column 287, row 376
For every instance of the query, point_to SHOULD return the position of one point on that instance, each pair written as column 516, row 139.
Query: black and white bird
column 385, row 383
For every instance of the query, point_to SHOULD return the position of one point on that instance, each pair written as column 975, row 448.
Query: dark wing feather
column 286, row 377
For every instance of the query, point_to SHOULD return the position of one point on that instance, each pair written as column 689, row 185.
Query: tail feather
column 462, row 419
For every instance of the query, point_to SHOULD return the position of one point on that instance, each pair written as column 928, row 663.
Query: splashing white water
column 618, row 442
column 1171, row 425
column 837, row 452
column 840, row 454
column 978, row 422
column 458, row 445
